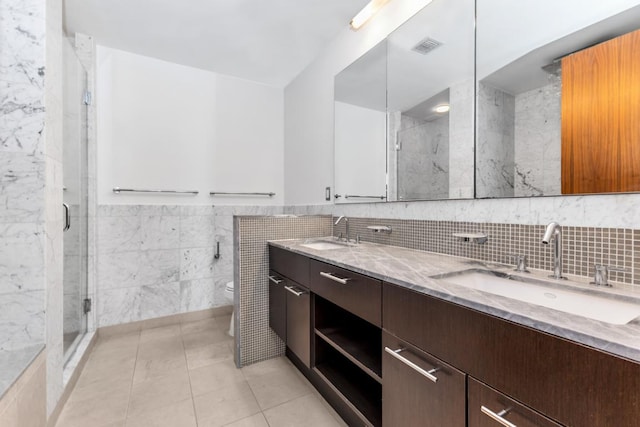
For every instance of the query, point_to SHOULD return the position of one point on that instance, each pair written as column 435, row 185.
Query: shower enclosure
column 75, row 199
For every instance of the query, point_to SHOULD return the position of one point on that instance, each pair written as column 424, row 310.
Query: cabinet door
column 299, row 321
column 490, row 408
column 411, row 398
column 277, row 305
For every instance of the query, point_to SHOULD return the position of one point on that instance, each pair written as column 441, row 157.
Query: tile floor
column 183, row 375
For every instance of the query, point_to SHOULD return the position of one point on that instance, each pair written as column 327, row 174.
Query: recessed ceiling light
column 443, row 108
column 366, row 13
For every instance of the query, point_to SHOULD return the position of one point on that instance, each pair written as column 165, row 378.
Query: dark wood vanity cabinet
column 561, row 380
column 419, row 389
column 488, row 371
column 487, row 407
column 356, row 293
column 290, row 302
column 277, row 305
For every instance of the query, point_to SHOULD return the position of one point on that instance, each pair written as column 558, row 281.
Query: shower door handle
column 67, row 217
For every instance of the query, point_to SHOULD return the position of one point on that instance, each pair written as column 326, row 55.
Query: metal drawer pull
column 293, row 291
column 335, row 278
column 275, row 280
column 498, row 417
column 428, row 374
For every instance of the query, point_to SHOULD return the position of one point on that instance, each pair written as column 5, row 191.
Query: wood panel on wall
column 600, row 117
column 630, row 112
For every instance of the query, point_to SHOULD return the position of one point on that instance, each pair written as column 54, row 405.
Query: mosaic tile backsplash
column 255, row 339
column 582, row 246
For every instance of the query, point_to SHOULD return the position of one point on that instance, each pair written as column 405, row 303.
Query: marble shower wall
column 423, row 158
column 495, row 142
column 538, row 140
column 22, row 174
column 461, row 140
column 158, row 260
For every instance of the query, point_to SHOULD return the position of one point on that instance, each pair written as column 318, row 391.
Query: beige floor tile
column 225, row 405
column 305, row 411
column 223, row 322
column 106, row 370
column 278, row 364
column 158, row 367
column 100, row 389
column 116, row 424
column 160, row 332
column 106, row 352
column 277, row 387
column 159, row 392
column 208, row 324
column 199, row 339
column 179, row 414
column 9, row 414
column 206, row 355
column 96, row 413
column 115, row 342
column 163, row 348
column 256, row 420
column 214, row 377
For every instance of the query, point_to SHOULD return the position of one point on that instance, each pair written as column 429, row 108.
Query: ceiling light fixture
column 366, row 13
column 443, row 108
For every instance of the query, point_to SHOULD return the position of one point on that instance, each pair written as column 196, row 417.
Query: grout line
column 126, row 414
column 186, row 361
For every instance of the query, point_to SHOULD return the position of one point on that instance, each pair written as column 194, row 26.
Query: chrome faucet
column 553, row 232
column 346, row 221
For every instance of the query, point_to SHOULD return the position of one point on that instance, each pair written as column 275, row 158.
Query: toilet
column 228, row 293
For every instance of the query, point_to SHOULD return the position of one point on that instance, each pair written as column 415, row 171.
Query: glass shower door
column 75, row 199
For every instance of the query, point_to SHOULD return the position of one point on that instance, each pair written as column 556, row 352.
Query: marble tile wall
column 54, row 255
column 255, row 340
column 22, row 174
column 538, row 140
column 158, row 260
column 461, row 140
column 423, row 159
column 495, row 142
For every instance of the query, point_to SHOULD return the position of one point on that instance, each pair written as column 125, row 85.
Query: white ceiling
column 265, row 41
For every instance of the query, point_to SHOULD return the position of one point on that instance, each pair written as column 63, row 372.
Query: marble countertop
column 414, row 269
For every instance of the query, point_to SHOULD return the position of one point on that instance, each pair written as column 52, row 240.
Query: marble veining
column 578, row 211
column 423, row 157
column 414, row 269
column 157, row 260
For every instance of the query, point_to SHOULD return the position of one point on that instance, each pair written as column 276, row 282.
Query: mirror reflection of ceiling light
column 367, row 13
column 443, row 108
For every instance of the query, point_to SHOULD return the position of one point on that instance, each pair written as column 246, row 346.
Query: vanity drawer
column 361, row 295
column 485, row 408
column 568, row 382
column 289, row 264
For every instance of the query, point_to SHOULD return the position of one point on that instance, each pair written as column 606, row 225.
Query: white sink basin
column 583, row 304
column 323, row 246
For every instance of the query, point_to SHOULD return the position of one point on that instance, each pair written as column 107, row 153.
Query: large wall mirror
column 360, row 96
column 404, row 111
column 558, row 97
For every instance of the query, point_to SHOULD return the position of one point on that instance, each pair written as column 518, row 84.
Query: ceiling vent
column 426, row 46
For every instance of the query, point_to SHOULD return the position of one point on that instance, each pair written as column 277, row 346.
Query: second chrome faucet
column 553, row 232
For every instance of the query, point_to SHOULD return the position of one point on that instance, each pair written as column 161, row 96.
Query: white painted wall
column 309, row 105
column 360, row 157
column 167, row 126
